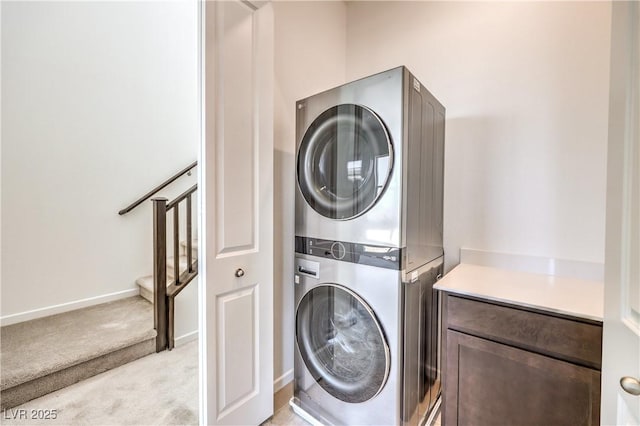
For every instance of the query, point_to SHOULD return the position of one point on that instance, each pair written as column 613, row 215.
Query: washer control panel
column 365, row 254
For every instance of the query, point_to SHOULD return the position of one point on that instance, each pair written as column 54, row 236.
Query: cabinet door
column 488, row 383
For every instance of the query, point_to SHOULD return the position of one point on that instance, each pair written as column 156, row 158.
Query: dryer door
column 344, row 161
column 342, row 343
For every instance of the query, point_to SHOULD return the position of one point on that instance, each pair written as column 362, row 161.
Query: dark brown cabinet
column 509, row 365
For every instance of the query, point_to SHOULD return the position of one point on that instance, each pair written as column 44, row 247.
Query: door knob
column 630, row 385
column 239, row 272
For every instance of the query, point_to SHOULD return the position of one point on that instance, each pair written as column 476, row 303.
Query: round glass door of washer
column 344, row 161
column 342, row 343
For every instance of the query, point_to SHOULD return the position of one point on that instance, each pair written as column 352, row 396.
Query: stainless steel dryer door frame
column 379, row 225
column 344, row 161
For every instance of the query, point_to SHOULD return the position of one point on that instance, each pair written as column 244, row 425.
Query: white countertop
column 570, row 296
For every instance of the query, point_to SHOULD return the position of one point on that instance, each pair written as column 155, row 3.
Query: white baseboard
column 186, row 338
column 535, row 264
column 65, row 307
column 283, row 380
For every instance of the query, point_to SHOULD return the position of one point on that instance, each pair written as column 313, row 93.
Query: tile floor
column 285, row 417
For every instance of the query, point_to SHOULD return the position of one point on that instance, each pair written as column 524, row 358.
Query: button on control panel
column 338, row 251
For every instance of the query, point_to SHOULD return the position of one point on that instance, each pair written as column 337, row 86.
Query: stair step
column 146, row 283
column 146, row 286
column 194, row 243
column 182, row 264
column 46, row 354
column 194, row 246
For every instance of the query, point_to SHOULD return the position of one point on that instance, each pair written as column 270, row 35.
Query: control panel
column 364, row 254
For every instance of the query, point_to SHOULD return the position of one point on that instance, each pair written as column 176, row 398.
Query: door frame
column 621, row 331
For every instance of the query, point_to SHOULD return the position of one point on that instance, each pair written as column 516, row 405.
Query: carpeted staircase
column 46, row 354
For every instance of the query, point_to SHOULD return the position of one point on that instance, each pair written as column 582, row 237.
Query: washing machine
column 366, row 341
column 370, row 158
column 368, row 243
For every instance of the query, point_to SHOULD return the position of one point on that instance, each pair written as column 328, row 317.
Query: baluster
column 170, row 330
column 176, row 243
column 160, row 271
column 189, row 243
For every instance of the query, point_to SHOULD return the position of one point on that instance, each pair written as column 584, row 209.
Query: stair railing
column 164, row 296
column 145, row 197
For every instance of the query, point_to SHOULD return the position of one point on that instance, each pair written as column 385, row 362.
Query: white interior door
column 621, row 345
column 238, row 204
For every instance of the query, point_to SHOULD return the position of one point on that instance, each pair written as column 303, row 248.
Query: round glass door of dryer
column 344, row 161
column 342, row 343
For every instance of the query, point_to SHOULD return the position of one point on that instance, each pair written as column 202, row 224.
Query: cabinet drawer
column 566, row 339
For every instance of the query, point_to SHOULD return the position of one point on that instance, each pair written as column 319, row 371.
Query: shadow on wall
column 491, row 182
column 283, row 241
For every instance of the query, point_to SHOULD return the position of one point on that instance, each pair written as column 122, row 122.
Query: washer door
column 344, row 161
column 342, row 343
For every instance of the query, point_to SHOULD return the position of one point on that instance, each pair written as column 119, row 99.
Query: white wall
column 99, row 104
column 526, row 90
column 525, row 85
column 309, row 57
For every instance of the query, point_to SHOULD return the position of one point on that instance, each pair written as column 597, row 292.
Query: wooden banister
column 160, row 187
column 164, row 296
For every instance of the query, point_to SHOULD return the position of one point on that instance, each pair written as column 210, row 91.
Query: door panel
column 621, row 332
column 237, row 176
column 237, row 314
column 236, row 145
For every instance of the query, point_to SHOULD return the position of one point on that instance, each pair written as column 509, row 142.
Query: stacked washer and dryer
column 370, row 159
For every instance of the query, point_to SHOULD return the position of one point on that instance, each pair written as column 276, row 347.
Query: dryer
column 370, row 158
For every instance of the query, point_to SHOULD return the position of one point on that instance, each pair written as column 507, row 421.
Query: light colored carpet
column 159, row 389
column 36, row 348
